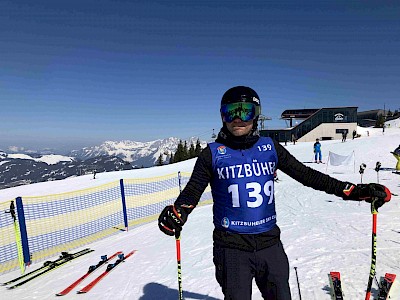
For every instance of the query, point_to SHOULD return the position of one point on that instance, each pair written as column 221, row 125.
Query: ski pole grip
column 374, row 206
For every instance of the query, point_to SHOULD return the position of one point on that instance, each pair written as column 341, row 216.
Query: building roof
column 305, row 113
column 374, row 112
column 298, row 113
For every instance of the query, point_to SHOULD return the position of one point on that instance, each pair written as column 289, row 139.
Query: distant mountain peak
column 137, row 153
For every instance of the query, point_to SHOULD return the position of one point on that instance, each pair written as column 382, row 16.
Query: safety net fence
column 36, row 228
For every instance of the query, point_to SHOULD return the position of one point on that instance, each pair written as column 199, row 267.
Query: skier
column 396, row 154
column 239, row 166
column 397, row 151
column 354, row 134
column 317, row 151
column 344, row 136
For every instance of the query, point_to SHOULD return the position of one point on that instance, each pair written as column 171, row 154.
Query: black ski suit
column 239, row 258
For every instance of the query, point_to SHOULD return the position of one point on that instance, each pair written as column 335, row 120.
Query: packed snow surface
column 320, row 232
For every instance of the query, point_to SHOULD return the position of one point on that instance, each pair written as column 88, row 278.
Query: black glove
column 367, row 192
column 173, row 217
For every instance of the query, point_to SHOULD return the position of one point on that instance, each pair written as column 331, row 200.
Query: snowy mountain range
column 139, row 154
column 21, row 169
column 21, row 166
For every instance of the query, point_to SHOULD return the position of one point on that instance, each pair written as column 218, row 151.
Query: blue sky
column 77, row 73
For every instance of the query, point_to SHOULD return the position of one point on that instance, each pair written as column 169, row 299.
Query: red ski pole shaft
column 372, row 271
column 178, row 249
column 178, row 260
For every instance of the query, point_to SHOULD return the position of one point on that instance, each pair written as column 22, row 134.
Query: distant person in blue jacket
column 317, row 151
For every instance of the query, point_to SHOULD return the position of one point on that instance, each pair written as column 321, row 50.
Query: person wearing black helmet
column 240, row 167
column 396, row 154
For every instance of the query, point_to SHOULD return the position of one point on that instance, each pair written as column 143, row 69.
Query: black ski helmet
column 243, row 94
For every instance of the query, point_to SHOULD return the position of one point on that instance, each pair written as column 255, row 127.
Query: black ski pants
column 235, row 270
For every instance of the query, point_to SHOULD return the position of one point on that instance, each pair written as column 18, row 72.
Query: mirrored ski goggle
column 243, row 110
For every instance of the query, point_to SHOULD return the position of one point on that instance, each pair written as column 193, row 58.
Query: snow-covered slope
column 393, row 123
column 18, row 169
column 320, row 233
column 49, row 159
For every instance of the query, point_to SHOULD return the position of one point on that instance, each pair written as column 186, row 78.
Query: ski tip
column 81, row 292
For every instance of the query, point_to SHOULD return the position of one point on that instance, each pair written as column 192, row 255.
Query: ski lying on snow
column 110, row 267
column 385, row 285
column 103, row 261
column 336, row 285
column 47, row 267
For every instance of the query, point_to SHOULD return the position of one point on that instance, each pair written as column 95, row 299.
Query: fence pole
column 23, row 231
column 121, row 184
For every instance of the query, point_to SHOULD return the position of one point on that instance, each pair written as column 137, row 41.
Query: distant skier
column 317, row 151
column 397, row 151
column 240, row 166
column 344, row 136
column 354, row 134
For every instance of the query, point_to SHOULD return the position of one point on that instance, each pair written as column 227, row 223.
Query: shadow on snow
column 155, row 290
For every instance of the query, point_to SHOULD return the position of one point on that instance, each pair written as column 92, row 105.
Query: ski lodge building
column 322, row 123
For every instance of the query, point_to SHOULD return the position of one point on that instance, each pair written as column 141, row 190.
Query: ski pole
column 377, row 168
column 178, row 260
column 298, row 284
column 17, row 234
column 374, row 212
column 178, row 247
column 362, row 168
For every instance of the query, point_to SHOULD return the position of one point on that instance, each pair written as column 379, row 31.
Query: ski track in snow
column 320, row 232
